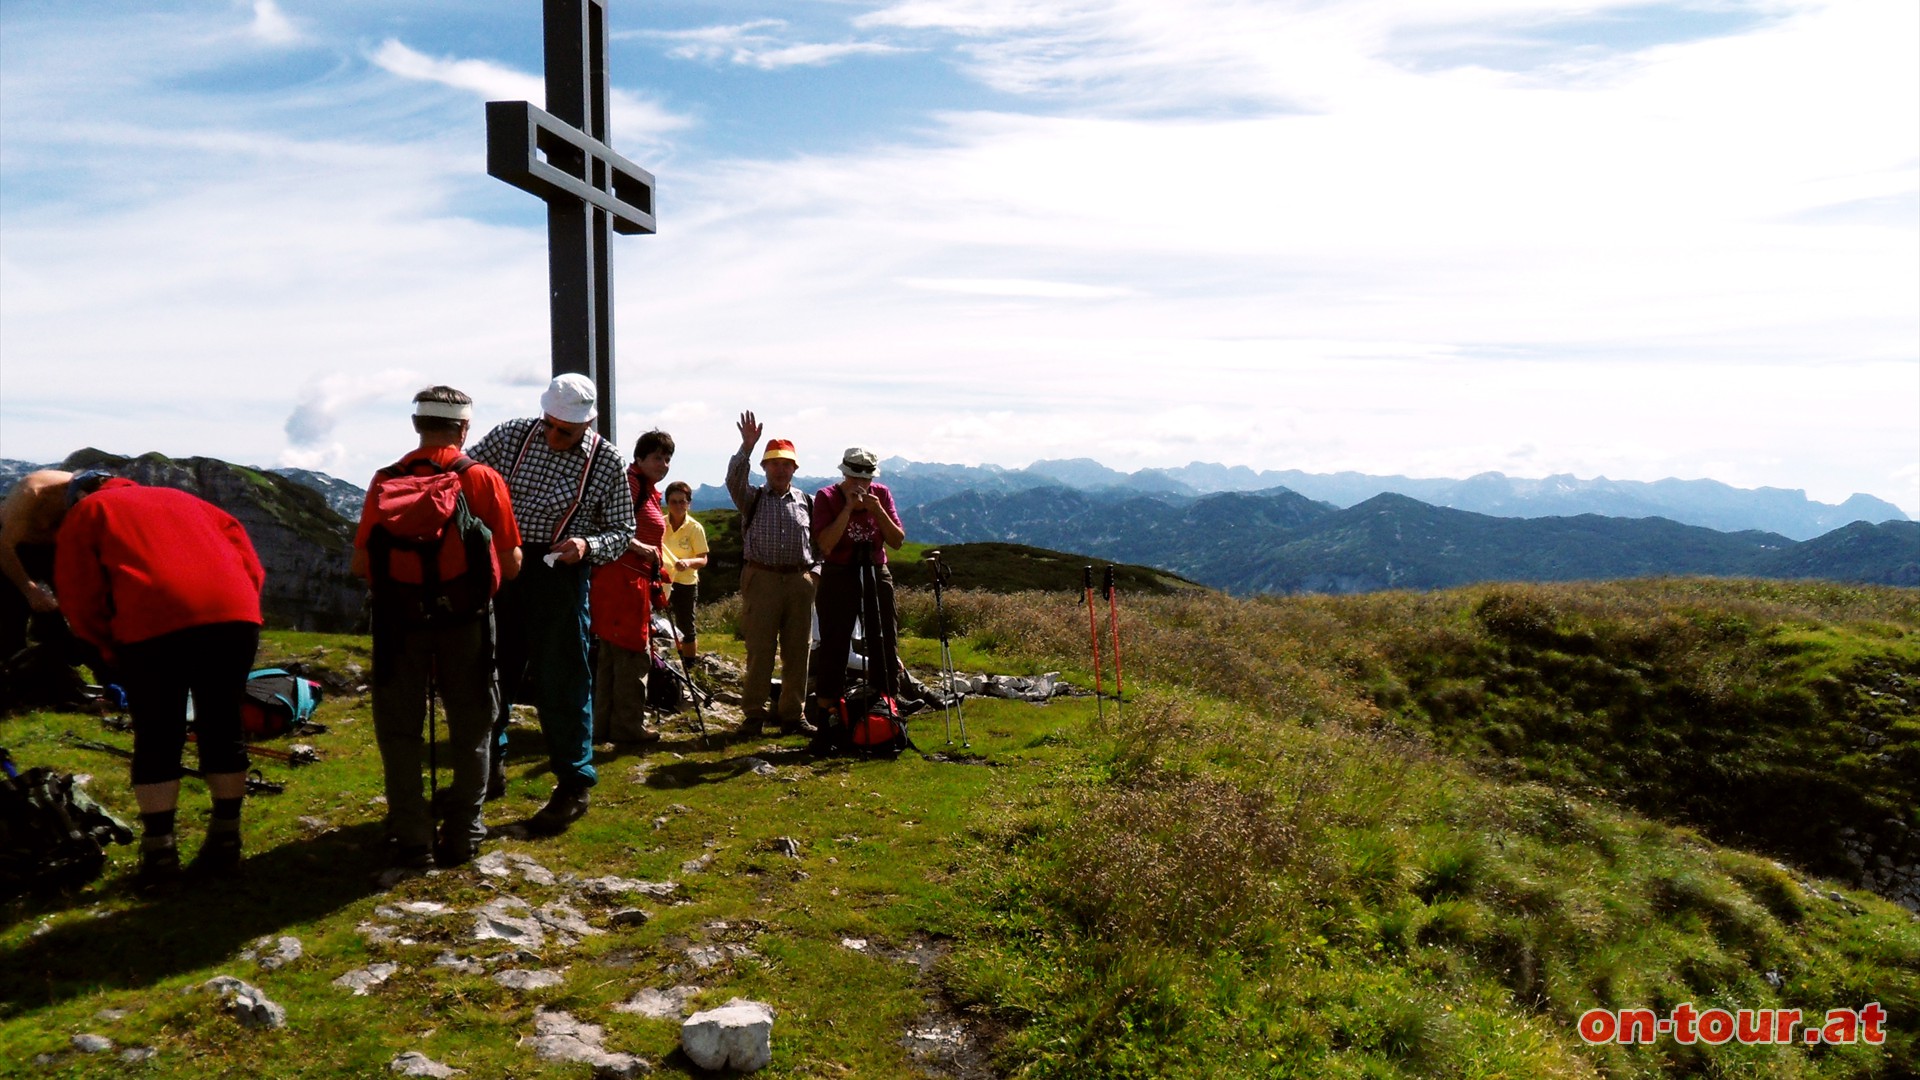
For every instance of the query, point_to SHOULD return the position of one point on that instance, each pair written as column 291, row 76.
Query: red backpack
column 430, row 559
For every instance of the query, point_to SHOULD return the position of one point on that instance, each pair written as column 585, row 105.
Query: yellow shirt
column 686, row 542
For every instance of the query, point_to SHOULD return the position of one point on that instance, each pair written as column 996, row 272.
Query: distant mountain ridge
column 1280, row 541
column 1707, row 503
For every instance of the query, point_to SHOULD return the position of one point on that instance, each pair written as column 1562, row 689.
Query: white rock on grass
column 133, row 1055
column 411, row 909
column 738, row 1036
column 659, row 1004
column 785, row 845
column 92, row 1044
column 614, row 887
column 462, row 964
column 695, row 866
column 415, row 1063
column 505, row 864
column 251, row 1007
column 525, row 979
column 272, row 953
column 857, row 944
column 565, row 919
column 362, row 980
column 508, row 919
column 110, row 1016
column 557, row 1036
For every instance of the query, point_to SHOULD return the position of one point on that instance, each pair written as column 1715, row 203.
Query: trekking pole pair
column 950, row 700
column 1093, row 634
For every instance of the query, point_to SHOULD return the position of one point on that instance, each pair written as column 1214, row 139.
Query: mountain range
column 1707, row 503
column 1271, row 540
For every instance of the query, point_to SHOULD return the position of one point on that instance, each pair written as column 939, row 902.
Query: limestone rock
column 612, row 887
column 362, row 980
column 659, row 1004
column 415, row 1063
column 464, row 965
column 506, row 864
column 251, row 1007
column 562, row 918
column 133, row 1055
column 557, row 1036
column 738, row 1036
column 525, row 979
column 504, row 920
column 273, row 953
column 92, row 1044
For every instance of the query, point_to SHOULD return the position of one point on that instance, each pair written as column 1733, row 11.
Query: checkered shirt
column 544, row 486
column 782, row 532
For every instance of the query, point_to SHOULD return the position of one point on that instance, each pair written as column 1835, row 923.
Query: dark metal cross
column 561, row 154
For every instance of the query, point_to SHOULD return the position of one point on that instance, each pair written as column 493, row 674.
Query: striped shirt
column 545, row 483
column 782, row 530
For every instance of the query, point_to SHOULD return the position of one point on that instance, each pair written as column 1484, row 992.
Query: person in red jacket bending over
column 167, row 586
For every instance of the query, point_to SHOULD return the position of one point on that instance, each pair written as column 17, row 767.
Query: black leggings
column 209, row 662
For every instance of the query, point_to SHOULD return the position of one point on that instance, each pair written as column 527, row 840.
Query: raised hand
column 750, row 430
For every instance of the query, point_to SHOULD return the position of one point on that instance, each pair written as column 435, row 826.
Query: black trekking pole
column 1093, row 632
column 433, row 749
column 1113, row 624
column 951, row 703
column 257, row 783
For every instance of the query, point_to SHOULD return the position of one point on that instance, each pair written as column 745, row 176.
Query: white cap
column 570, row 398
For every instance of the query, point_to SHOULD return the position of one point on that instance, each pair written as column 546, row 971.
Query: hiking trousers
column 840, row 603
column 620, row 693
column 541, row 619
column 209, row 663
column 776, row 612
column 457, row 659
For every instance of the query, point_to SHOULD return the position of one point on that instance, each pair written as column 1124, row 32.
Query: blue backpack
column 278, row 702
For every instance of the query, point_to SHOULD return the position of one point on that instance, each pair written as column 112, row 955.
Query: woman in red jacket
column 168, row 587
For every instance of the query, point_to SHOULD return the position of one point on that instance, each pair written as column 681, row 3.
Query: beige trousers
column 776, row 612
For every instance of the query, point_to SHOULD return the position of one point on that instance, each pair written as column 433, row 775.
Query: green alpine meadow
column 1387, row 835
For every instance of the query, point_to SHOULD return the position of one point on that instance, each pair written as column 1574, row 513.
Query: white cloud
column 757, row 43
column 629, row 115
column 272, row 26
column 1044, row 290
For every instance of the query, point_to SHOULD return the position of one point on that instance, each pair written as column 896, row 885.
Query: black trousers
column 210, row 663
column 837, row 602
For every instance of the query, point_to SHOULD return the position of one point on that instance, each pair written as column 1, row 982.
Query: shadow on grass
column 202, row 925
column 684, row 774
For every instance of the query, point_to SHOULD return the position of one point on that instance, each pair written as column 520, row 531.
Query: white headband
column 442, row 410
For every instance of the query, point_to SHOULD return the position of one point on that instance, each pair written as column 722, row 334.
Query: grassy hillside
column 1385, row 836
column 992, row 567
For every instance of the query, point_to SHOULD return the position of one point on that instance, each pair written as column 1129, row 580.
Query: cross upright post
column 561, row 154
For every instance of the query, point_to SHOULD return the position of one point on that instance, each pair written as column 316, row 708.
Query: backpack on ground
column 430, row 559
column 278, row 702
column 867, row 718
column 664, row 690
column 52, row 833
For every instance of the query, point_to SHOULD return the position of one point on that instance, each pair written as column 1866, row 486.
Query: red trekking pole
column 1113, row 624
column 1093, row 632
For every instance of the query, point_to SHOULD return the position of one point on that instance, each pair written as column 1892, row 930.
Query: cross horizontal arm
column 517, row 133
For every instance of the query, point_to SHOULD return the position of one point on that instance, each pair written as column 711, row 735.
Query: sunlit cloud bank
column 1432, row 239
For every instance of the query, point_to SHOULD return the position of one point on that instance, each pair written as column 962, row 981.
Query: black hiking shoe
column 219, row 856
column 411, row 857
column 568, row 805
column 159, row 872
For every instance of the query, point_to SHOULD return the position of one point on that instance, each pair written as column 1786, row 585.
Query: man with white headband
column 433, row 624
column 571, row 501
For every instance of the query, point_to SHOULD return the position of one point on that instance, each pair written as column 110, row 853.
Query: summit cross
column 561, row 154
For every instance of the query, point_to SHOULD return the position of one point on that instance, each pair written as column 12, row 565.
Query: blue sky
column 1623, row 239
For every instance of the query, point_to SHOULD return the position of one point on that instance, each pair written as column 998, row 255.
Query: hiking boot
column 496, row 779
column 219, row 856
column 159, row 872
column 410, row 857
column 797, row 727
column 751, row 727
column 568, row 805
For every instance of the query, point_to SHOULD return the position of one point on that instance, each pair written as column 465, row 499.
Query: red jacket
column 135, row 562
column 620, row 600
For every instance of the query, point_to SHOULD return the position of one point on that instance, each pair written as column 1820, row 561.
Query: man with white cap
column 776, row 579
column 854, row 523
column 422, row 646
column 571, row 502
